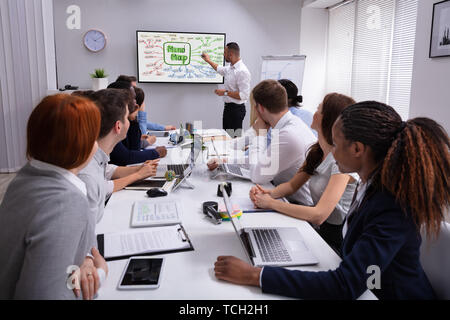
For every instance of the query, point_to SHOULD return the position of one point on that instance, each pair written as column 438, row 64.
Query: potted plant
column 99, row 79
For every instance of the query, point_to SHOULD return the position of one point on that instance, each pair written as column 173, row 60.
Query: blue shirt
column 145, row 125
column 305, row 115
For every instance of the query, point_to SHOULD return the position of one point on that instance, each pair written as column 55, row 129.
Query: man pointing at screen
column 237, row 86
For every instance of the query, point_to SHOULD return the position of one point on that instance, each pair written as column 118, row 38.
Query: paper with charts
column 176, row 57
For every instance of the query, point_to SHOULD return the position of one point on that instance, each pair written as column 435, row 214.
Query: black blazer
column 379, row 233
column 128, row 151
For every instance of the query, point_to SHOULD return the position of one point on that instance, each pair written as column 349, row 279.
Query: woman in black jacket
column 404, row 169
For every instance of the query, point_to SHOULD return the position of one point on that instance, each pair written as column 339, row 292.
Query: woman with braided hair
column 404, row 169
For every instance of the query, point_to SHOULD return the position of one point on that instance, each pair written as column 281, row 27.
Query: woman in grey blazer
column 45, row 226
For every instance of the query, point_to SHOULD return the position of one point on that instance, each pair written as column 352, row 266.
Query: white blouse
column 319, row 181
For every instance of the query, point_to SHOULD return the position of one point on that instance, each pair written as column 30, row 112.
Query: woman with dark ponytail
column 294, row 102
column 331, row 191
column 404, row 169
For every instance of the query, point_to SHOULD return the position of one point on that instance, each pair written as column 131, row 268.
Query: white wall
column 430, row 91
column 261, row 27
column 313, row 44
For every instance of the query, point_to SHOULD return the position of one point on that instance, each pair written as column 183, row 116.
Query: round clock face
column 94, row 40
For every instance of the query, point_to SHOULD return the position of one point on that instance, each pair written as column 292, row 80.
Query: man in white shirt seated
column 97, row 175
column 290, row 140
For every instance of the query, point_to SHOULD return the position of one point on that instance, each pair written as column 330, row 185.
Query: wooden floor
column 5, row 179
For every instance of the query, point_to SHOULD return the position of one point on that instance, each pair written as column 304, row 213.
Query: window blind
column 371, row 49
column 341, row 29
column 402, row 56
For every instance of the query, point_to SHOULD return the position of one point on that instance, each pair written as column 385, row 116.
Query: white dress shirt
column 279, row 162
column 237, row 78
column 361, row 191
column 109, row 183
column 319, row 182
column 93, row 176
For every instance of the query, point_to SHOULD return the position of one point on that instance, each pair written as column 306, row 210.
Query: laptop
column 179, row 169
column 158, row 134
column 182, row 171
column 196, row 149
column 235, row 170
column 281, row 247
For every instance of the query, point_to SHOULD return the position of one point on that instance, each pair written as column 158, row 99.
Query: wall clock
column 94, row 40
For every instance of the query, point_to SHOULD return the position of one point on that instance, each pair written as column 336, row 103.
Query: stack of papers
column 144, row 241
column 211, row 132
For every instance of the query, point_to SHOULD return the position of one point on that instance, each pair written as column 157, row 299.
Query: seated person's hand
column 148, row 169
column 263, row 201
column 236, row 271
column 169, row 127
column 89, row 280
column 99, row 261
column 162, row 151
column 214, row 163
column 258, row 190
column 259, row 126
column 150, row 139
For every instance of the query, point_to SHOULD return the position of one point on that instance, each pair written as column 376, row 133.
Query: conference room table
column 189, row 275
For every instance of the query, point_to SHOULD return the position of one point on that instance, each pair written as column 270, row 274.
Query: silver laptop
column 282, row 246
column 196, row 149
column 179, row 169
column 236, row 170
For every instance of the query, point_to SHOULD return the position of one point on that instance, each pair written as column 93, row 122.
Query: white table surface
column 190, row 275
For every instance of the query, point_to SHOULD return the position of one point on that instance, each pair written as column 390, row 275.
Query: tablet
column 146, row 184
column 141, row 273
column 160, row 134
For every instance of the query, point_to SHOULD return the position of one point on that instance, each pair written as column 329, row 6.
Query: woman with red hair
column 45, row 225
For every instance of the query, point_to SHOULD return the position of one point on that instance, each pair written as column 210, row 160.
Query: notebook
column 155, row 213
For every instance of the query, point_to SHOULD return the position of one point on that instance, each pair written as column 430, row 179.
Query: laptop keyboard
column 236, row 168
column 178, row 168
column 270, row 246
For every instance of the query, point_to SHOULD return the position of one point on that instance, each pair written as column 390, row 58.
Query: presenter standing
column 237, row 86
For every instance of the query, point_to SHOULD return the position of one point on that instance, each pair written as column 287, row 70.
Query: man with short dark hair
column 142, row 115
column 131, row 79
column 102, row 179
column 291, row 138
column 237, row 86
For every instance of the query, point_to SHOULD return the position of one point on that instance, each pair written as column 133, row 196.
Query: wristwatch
column 225, row 93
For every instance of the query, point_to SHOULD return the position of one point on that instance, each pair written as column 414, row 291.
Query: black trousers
column 233, row 116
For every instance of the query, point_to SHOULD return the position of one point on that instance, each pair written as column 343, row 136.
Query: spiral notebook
column 140, row 242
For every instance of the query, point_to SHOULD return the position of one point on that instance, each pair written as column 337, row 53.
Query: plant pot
column 99, row 83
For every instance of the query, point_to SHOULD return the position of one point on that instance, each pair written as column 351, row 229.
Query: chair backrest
column 435, row 259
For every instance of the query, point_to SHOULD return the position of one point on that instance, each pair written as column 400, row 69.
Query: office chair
column 435, row 259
